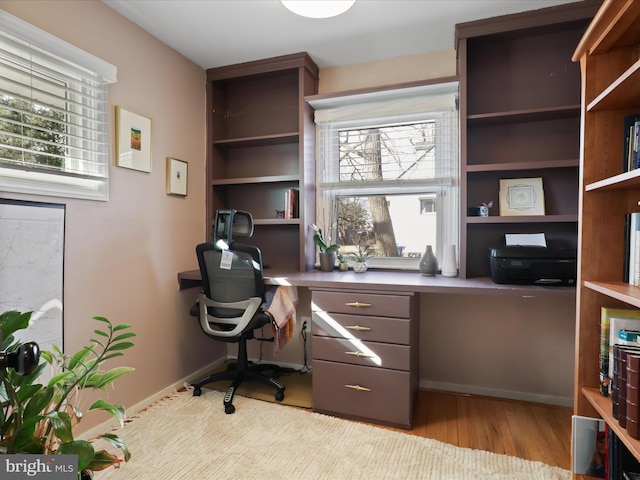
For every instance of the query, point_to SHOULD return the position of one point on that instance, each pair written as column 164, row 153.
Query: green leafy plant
column 362, row 255
column 322, row 244
column 341, row 258
column 40, row 419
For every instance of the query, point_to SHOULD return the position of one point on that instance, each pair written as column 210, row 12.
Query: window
column 54, row 122
column 387, row 172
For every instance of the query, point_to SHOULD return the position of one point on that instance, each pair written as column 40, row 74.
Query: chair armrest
column 249, row 306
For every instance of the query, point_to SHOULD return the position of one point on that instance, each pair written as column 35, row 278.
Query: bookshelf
column 609, row 57
column 520, row 118
column 260, row 144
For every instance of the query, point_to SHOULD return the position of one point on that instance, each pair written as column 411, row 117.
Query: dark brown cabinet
column 260, row 144
column 365, row 355
column 520, row 118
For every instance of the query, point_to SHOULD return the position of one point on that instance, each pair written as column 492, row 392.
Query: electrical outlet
column 306, row 324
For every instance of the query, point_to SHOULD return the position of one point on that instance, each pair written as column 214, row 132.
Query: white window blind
column 388, row 170
column 54, row 115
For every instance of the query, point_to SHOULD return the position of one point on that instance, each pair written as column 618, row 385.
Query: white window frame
column 57, row 183
column 396, row 107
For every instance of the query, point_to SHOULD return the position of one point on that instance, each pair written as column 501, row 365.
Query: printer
column 533, row 265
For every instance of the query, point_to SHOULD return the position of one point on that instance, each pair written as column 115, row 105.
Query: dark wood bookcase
column 519, row 118
column 609, row 57
column 260, row 143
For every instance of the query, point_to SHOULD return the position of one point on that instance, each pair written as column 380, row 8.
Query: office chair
column 229, row 307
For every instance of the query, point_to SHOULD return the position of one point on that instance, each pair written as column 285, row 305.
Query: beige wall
column 122, row 256
column 409, row 68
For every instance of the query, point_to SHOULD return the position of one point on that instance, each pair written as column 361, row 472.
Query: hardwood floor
column 526, row 430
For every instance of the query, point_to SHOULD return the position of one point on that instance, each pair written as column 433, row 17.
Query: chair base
column 240, row 372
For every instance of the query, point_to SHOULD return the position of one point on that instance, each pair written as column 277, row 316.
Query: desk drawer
column 356, row 352
column 374, row 394
column 381, row 305
column 375, row 329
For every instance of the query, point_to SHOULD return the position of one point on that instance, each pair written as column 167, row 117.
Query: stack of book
column 631, row 129
column 632, row 249
column 291, row 203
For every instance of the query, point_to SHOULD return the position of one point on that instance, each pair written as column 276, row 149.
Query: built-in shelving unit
column 609, row 56
column 520, row 118
column 260, row 144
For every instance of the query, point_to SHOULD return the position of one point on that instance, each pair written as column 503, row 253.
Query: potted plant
column 40, row 419
column 360, row 258
column 343, row 264
column 327, row 252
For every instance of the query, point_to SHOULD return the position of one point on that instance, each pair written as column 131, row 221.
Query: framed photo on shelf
column 133, row 140
column 521, row 196
column 177, row 176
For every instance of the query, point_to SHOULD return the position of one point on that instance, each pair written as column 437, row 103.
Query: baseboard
column 493, row 392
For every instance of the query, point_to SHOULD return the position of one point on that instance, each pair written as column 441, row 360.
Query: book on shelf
column 612, row 321
column 632, row 249
column 291, row 203
column 621, row 464
column 633, row 404
column 631, row 134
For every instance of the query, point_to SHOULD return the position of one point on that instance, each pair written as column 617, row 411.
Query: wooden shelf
column 603, row 406
column 527, row 115
column 507, row 166
column 623, row 181
column 250, row 180
column 276, row 221
column 524, row 219
column 608, row 53
column 258, row 141
column 520, row 117
column 618, row 290
column 257, row 149
column 621, row 94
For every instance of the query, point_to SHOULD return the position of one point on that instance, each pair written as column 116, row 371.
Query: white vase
column 449, row 264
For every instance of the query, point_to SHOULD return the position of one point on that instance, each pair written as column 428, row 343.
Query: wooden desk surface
column 395, row 281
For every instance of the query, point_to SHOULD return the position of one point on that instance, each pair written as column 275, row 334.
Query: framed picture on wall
column 133, row 140
column 177, row 177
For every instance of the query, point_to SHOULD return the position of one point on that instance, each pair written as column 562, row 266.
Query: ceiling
column 215, row 33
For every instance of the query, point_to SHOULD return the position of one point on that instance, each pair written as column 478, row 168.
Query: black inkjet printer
column 533, row 265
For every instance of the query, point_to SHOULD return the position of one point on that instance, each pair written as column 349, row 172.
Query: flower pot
column 327, row 261
column 360, row 267
column 344, row 266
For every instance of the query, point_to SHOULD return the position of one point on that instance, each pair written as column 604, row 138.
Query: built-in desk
column 366, row 335
column 396, row 281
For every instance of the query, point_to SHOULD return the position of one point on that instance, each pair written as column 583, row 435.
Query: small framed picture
column 177, row 177
column 521, row 196
column 133, row 140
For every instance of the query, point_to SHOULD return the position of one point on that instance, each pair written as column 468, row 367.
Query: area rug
column 186, row 437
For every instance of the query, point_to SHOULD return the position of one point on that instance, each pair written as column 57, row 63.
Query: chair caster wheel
column 229, row 409
column 280, row 396
column 197, row 392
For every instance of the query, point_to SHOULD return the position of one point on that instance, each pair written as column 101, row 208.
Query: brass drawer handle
column 357, row 304
column 359, row 354
column 358, row 328
column 358, row 388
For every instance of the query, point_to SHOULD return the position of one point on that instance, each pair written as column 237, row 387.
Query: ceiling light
column 318, row 8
